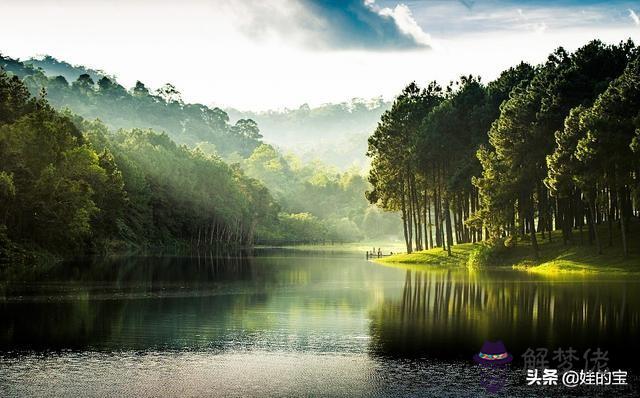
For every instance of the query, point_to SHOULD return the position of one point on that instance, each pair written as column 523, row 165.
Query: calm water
column 291, row 323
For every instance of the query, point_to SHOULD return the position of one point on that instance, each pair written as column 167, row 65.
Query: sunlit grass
column 554, row 256
column 437, row 256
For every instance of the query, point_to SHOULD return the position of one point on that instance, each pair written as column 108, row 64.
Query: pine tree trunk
column 436, row 209
column 416, row 212
column 610, row 217
column 596, row 237
column 447, row 218
column 532, row 229
column 409, row 223
column 404, row 222
column 429, row 221
column 623, row 229
column 425, row 224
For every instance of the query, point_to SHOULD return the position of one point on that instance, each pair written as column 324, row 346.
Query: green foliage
column 530, row 148
column 54, row 67
column 92, row 94
column 392, row 145
column 179, row 193
column 7, row 188
column 331, row 133
column 141, row 187
column 423, row 156
column 334, row 199
column 69, row 186
column 486, row 254
column 53, row 174
column 304, row 227
column 554, row 257
column 555, row 147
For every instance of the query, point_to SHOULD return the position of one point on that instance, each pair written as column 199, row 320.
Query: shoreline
column 554, row 257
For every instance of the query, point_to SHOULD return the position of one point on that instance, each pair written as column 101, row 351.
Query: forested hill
column 554, row 146
column 335, row 134
column 71, row 184
column 92, row 94
column 54, row 67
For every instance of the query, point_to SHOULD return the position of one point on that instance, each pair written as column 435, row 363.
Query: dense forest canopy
column 93, row 94
column 54, row 67
column 541, row 148
column 88, row 166
column 69, row 185
column 332, row 133
column 327, row 194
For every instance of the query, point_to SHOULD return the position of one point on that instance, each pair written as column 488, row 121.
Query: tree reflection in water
column 449, row 313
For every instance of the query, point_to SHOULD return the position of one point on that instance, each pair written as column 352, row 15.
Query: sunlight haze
column 287, row 52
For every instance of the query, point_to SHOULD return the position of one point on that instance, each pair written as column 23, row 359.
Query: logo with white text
column 571, row 368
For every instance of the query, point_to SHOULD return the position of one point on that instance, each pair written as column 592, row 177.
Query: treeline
column 319, row 203
column 333, row 133
column 93, row 94
column 68, row 186
column 162, row 193
column 541, row 148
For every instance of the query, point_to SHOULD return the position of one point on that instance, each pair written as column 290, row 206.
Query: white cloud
column 204, row 48
column 634, row 17
column 321, row 25
column 540, row 27
column 403, row 18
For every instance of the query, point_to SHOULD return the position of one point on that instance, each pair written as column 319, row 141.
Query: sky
column 272, row 54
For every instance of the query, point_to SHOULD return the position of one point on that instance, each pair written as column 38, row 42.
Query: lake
column 278, row 322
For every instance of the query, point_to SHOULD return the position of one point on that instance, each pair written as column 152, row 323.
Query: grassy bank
column 554, row 256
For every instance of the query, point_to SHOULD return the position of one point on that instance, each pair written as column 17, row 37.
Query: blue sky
column 464, row 17
column 257, row 54
column 356, row 25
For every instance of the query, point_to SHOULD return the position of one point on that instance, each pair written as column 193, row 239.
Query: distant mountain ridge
column 333, row 133
column 312, row 200
column 93, row 94
column 54, row 67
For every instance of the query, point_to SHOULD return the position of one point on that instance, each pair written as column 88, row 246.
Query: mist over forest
column 297, row 175
column 335, row 134
column 176, row 171
column 319, row 198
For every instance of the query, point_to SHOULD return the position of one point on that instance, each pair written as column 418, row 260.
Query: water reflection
column 291, row 323
column 277, row 301
column 445, row 313
column 311, row 302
